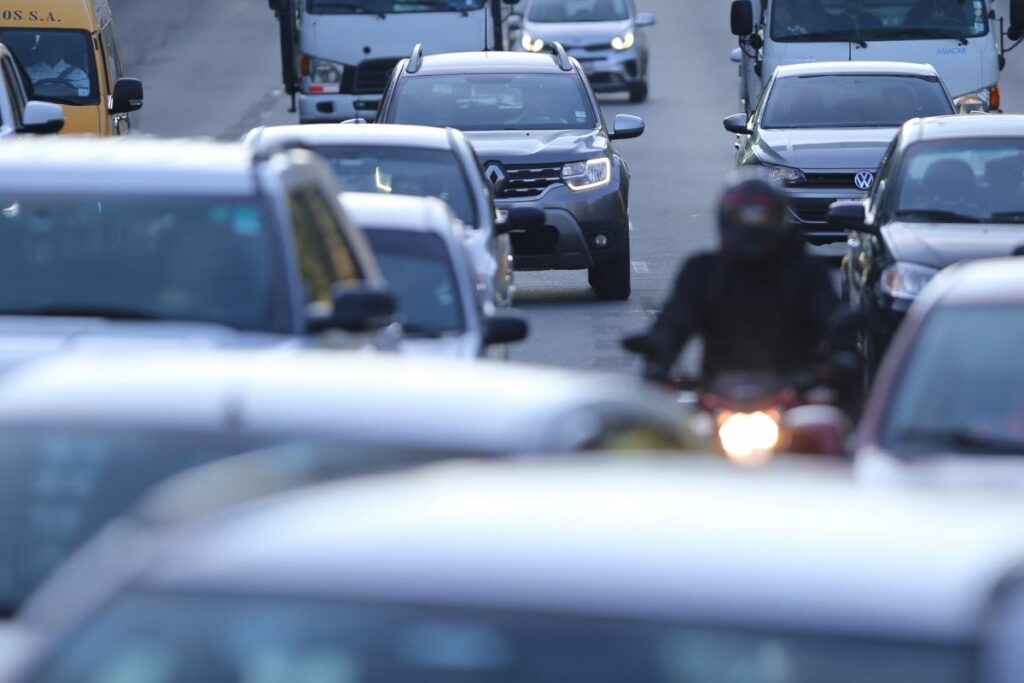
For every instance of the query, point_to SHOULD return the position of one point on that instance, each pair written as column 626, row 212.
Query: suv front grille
column 811, row 210
column 844, row 180
column 372, row 76
column 530, row 180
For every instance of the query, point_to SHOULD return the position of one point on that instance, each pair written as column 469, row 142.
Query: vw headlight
column 625, row 41
column 784, row 175
column 587, row 175
column 324, row 75
column 984, row 100
column 905, row 280
column 531, row 44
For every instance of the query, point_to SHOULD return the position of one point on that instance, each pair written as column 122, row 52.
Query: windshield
column 852, row 101
column 962, row 181
column 200, row 259
column 572, row 11
column 977, row 350
column 841, row 20
column 391, row 6
column 59, row 64
column 494, row 102
column 403, row 170
column 419, row 272
column 166, row 638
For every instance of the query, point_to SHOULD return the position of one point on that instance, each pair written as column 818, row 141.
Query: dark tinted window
column 494, row 102
column 175, row 258
column 59, row 63
column 560, row 11
column 852, row 101
column 419, row 271
column 842, row 20
column 213, row 639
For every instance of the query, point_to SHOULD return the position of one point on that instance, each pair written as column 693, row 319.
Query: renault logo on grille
column 864, row 180
column 496, row 176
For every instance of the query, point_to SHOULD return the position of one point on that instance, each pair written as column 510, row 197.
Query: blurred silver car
column 512, row 571
column 443, row 304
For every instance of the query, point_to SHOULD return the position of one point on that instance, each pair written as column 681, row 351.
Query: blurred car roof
column 361, row 135
column 401, row 212
column 958, row 126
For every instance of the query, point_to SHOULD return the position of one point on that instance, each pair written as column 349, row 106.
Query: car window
column 880, row 190
column 324, row 255
column 853, row 101
column 203, row 259
column 59, row 63
column 957, row 180
column 213, row 639
column 14, row 93
column 843, row 20
column 390, row 6
column 572, row 11
column 500, row 101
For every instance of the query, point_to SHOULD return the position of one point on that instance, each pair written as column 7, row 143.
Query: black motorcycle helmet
column 753, row 217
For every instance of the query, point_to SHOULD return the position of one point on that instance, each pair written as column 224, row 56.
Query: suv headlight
column 784, row 175
column 587, row 175
column 905, row 280
column 531, row 44
column 625, row 41
column 325, row 74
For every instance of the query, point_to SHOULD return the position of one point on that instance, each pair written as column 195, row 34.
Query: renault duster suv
column 537, row 129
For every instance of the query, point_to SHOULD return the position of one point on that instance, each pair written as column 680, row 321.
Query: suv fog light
column 601, row 241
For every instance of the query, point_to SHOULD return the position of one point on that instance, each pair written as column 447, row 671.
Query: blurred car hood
column 942, row 244
column 853, row 149
column 537, row 146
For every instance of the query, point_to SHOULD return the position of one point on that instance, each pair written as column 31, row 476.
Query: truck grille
column 530, row 180
column 372, row 76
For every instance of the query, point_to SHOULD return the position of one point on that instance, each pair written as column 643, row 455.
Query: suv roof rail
column 415, row 59
column 560, row 56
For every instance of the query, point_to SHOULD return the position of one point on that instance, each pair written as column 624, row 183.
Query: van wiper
column 923, row 32
column 441, row 4
column 1008, row 217
column 830, row 36
column 61, row 311
column 354, row 7
column 961, row 440
column 937, row 215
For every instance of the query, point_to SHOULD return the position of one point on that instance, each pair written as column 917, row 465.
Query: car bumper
column 611, row 70
column 334, row 108
column 809, row 210
column 574, row 226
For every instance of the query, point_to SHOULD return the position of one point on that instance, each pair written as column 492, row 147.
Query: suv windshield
column 572, row 11
column 852, row 101
column 59, row 64
column 405, row 171
column 201, row 259
column 391, row 6
column 503, row 101
column 977, row 350
column 842, row 20
column 962, row 181
column 419, row 271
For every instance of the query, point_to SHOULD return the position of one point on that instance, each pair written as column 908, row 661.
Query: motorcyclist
column 761, row 303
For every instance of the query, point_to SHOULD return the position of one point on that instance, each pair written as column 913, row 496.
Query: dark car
column 821, row 129
column 950, row 189
column 540, row 136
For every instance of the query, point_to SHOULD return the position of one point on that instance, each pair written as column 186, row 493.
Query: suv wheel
column 611, row 279
column 638, row 93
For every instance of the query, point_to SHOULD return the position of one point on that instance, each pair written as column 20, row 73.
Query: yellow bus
column 70, row 55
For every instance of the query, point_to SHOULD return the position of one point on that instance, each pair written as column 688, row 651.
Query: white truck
column 337, row 55
column 965, row 40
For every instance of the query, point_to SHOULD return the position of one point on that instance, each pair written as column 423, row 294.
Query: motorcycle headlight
column 325, row 75
column 587, row 175
column 625, row 41
column 905, row 280
column 784, row 175
column 749, row 438
column 984, row 100
column 531, row 44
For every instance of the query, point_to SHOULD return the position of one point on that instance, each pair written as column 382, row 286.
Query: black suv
column 537, row 128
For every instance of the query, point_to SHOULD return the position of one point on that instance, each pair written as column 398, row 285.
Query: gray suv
column 540, row 136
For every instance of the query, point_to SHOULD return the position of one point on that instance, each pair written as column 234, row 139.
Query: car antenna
column 415, row 59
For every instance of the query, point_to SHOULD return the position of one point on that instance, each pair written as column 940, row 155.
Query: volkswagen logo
column 496, row 176
column 864, row 180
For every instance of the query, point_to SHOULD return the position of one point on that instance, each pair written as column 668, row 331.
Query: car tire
column 611, row 280
column 638, row 93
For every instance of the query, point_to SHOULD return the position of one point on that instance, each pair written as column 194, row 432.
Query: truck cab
column 70, row 55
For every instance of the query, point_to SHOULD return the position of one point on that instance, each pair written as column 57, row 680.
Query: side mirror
column 504, row 329
column 514, row 22
column 644, row 20
column 741, row 18
column 356, row 308
column 816, row 430
column 627, row 126
column 1016, row 29
column 523, row 218
column 42, row 118
column 737, row 123
column 848, row 214
column 127, row 96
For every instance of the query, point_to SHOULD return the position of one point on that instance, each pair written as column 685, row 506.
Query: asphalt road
column 212, row 69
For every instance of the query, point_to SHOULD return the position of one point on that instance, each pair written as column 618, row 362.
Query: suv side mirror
column 1016, row 29
column 645, row 19
column 504, row 329
column 737, row 123
column 523, row 218
column 514, row 22
column 127, row 96
column 848, row 214
column 42, row 118
column 627, row 126
column 741, row 18
column 816, row 430
column 356, row 308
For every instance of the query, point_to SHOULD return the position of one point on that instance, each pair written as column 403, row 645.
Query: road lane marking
column 640, row 268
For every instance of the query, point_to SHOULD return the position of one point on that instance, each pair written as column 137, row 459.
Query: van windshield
column 59, row 64
column 843, row 20
column 572, row 11
column 391, row 6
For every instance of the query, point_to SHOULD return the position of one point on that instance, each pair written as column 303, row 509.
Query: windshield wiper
column 937, row 215
column 927, row 33
column 1008, row 217
column 443, row 4
column 60, row 311
column 354, row 7
column 961, row 440
column 837, row 36
column 418, row 332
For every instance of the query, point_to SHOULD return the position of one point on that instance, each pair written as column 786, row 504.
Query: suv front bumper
column 610, row 70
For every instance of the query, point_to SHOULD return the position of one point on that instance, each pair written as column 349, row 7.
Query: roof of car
column 875, row 68
column 795, row 550
column 395, row 135
column 972, row 126
column 483, row 406
column 987, row 281
column 485, row 62
column 400, row 212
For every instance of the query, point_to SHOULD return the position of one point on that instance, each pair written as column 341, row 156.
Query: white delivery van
column 337, row 55
column 965, row 40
